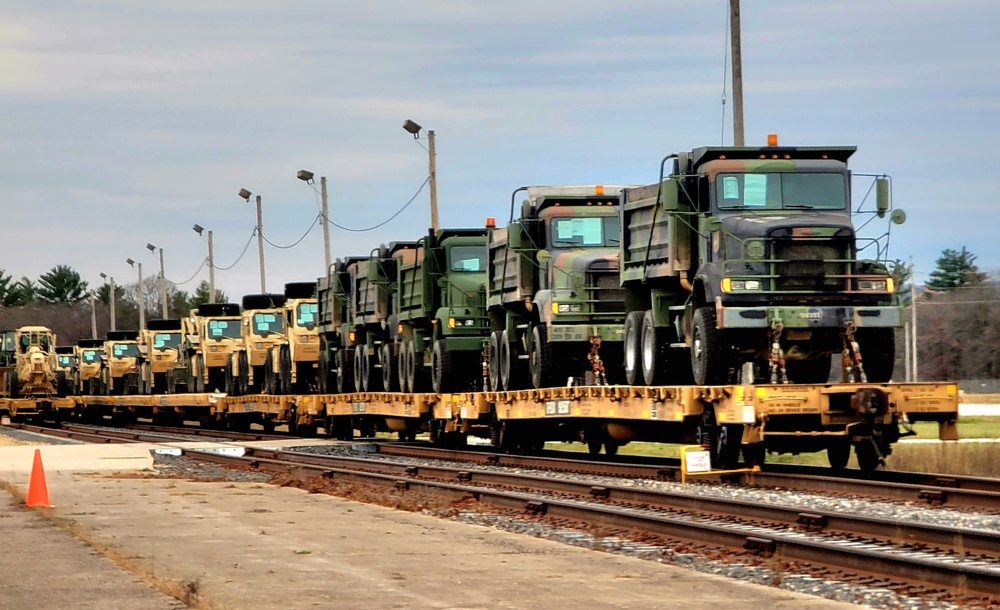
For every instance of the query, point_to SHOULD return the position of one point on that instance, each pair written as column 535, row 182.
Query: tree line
column 61, row 299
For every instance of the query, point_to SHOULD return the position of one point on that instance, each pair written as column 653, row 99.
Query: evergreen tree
column 955, row 268
column 201, row 293
column 61, row 285
column 24, row 292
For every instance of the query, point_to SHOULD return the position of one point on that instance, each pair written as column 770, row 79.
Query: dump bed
column 333, row 296
column 654, row 243
column 414, row 291
column 511, row 271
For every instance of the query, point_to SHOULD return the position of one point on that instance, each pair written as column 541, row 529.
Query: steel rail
column 953, row 575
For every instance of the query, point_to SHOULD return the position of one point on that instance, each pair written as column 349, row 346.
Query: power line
column 387, row 220
column 240, row 257
column 194, row 275
column 299, row 241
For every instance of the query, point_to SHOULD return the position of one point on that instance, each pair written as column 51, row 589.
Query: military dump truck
column 209, row 334
column 743, row 264
column 159, row 343
column 263, row 328
column 440, row 325
column 32, row 371
column 66, row 360
column 553, row 296
column 292, row 365
column 89, row 360
column 120, row 370
column 333, row 292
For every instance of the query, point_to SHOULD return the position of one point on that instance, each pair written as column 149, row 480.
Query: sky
column 124, row 123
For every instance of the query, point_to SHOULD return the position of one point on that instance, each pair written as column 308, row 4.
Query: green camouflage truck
column 553, row 296
column 744, row 265
column 333, row 301
column 439, row 322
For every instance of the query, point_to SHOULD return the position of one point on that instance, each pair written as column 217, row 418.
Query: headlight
column 731, row 285
column 470, row 322
column 874, row 285
column 304, row 339
column 567, row 308
column 258, row 345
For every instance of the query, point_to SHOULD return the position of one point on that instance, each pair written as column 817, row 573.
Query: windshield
column 124, row 350
column 223, row 329
column 306, row 313
column 66, row 361
column 792, row 191
column 592, row 232
column 92, row 355
column 162, row 341
column 266, row 323
column 469, row 259
column 9, row 343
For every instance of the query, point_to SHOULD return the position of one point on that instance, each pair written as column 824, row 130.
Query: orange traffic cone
column 38, row 491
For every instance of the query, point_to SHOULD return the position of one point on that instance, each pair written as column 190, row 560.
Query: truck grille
column 810, row 265
column 606, row 293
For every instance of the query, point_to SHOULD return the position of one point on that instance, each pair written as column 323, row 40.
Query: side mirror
column 882, row 199
column 898, row 217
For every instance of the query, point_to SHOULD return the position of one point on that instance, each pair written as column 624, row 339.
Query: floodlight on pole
column 163, row 282
column 307, row 177
column 211, row 263
column 245, row 194
column 414, row 128
column 141, row 294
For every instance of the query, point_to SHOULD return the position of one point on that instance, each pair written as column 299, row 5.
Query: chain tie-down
column 777, row 358
column 853, row 369
column 596, row 365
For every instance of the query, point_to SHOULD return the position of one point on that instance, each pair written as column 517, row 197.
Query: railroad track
column 858, row 547
column 975, row 493
column 143, row 434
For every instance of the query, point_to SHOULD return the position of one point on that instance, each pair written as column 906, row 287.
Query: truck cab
column 555, row 304
column 263, row 328
column 210, row 334
column 120, row 373
column 89, row 360
column 753, row 257
column 293, row 365
column 160, row 344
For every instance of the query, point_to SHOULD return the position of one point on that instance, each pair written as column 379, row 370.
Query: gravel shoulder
column 239, row 543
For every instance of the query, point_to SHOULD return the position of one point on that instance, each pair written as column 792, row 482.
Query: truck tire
column 244, row 377
column 389, row 373
column 631, row 342
column 878, row 352
column 13, row 389
column 653, row 345
column 270, row 377
column 199, row 376
column 813, row 370
column 493, row 366
column 62, row 385
column 403, row 366
column 285, row 371
column 709, row 357
column 345, row 372
column 510, row 376
column 541, row 363
column 442, row 375
column 359, row 367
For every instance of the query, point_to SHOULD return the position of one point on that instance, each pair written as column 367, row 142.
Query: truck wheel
column 509, row 361
column 442, row 376
column 402, row 376
column 631, row 338
column 813, row 370
column 284, row 380
column 654, row 345
column 62, row 385
column 493, row 367
column 345, row 374
column 541, row 364
column 244, row 378
column 709, row 361
column 13, row 389
column 373, row 377
column 270, row 378
column 359, row 367
column 878, row 352
column 389, row 372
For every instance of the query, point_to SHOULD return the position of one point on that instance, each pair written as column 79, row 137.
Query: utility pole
column 907, row 361
column 326, row 226
column 93, row 316
column 433, row 181
column 163, row 288
column 260, row 245
column 737, row 58
column 142, row 301
column 111, row 300
column 211, row 270
column 913, row 319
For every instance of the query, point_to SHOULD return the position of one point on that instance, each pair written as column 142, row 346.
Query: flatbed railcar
column 784, row 418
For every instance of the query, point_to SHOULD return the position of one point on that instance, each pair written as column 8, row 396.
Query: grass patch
column 974, row 459
column 968, row 427
column 981, row 399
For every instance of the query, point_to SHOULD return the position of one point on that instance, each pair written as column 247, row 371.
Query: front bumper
column 581, row 333
column 833, row 316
